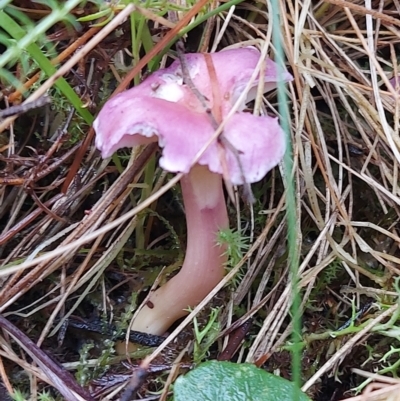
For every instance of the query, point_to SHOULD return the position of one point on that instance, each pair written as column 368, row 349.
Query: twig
column 62, row 380
column 25, row 107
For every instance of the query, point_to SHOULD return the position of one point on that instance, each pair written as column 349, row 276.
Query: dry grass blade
column 347, row 347
column 10, row 293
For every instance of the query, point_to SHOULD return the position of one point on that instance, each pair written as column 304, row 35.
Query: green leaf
column 226, row 381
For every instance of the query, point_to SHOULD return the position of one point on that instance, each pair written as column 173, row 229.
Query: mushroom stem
column 204, row 262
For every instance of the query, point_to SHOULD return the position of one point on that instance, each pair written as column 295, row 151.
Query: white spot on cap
column 170, row 91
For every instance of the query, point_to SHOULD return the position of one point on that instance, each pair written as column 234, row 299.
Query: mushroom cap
column 233, row 69
column 162, row 108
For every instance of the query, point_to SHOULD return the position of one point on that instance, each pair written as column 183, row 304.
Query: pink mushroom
column 165, row 109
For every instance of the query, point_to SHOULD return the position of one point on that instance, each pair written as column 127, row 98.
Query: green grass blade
column 291, row 217
column 17, row 33
column 38, row 31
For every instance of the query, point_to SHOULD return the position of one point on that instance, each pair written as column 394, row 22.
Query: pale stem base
column 204, row 262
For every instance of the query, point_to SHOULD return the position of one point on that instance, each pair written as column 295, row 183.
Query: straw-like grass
column 68, row 218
